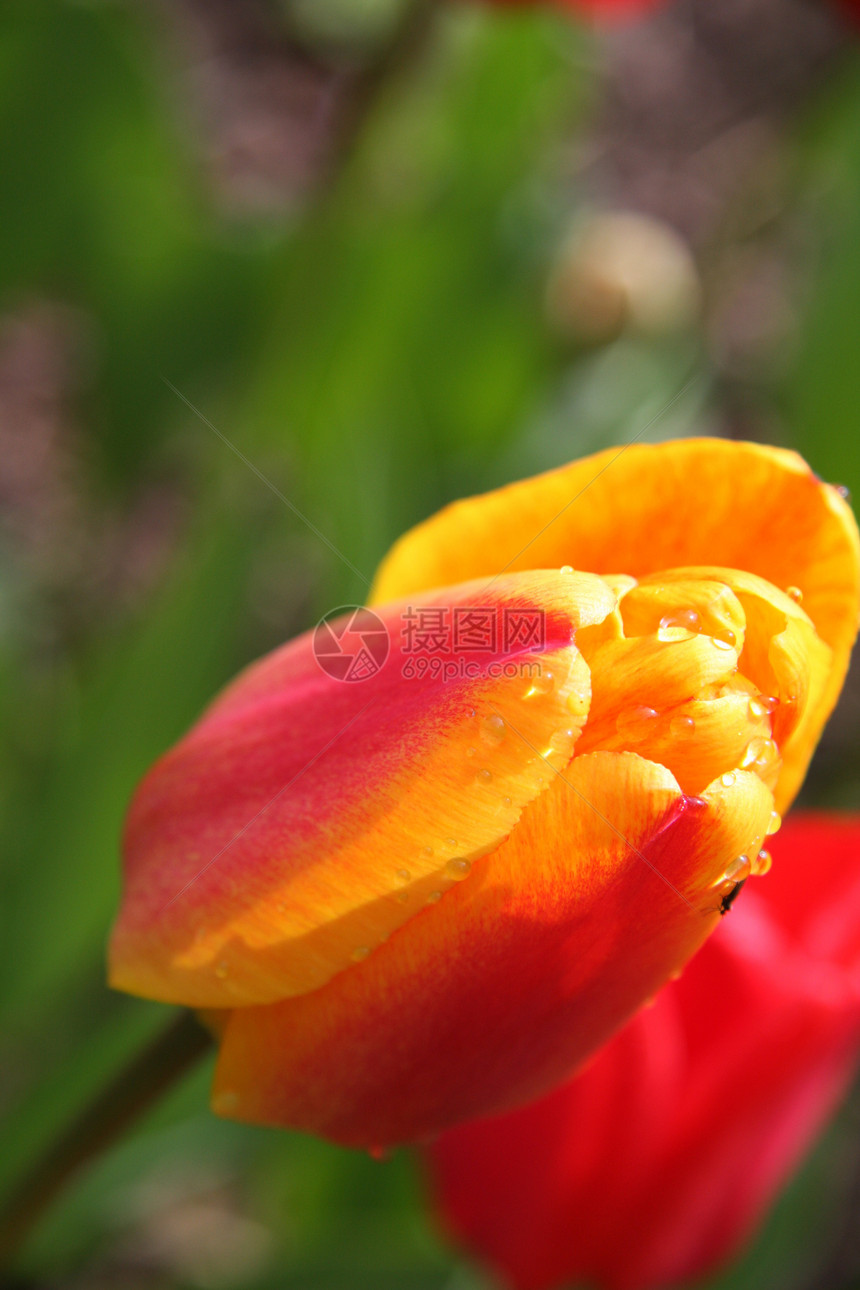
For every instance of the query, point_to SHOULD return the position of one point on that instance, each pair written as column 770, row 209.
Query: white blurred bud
column 621, row 271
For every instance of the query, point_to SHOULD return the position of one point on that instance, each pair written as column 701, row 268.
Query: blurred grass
column 374, row 359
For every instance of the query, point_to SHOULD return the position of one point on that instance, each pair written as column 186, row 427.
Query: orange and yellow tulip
column 429, row 896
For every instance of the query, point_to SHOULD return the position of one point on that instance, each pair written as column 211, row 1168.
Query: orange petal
column 782, row 654
column 494, row 994
column 305, row 819
column 645, row 508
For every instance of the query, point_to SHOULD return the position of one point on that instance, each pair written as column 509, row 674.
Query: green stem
column 132, row 1092
column 405, row 44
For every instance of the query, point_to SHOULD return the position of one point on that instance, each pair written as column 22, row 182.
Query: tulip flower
column 428, row 895
column 656, row 1164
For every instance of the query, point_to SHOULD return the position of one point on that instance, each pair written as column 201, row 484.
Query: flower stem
column 132, row 1092
column 407, row 41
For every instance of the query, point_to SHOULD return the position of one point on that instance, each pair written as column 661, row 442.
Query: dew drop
column 681, row 621
column 484, row 777
column 566, row 568
column 471, row 752
column 403, row 875
column 493, row 730
column 636, row 723
column 427, row 851
column 795, row 594
column 434, row 898
column 844, row 491
column 774, row 823
column 507, row 801
column 719, row 643
column 403, row 897
column 221, row 970
column 760, row 755
column 757, row 709
column 739, row 870
column 578, row 703
column 681, row 726
column 458, row 869
column 452, row 843
column 762, row 865
column 541, row 685
column 728, row 779
column 360, row 954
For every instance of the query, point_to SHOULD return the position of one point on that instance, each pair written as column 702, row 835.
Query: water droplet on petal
column 739, row 870
column 760, row 755
column 762, row 864
column 493, row 730
column 719, row 643
column 728, row 779
column 540, row 685
column 507, row 801
column 403, row 875
column 434, row 898
column 427, row 851
column 774, row 823
column 757, row 709
column 452, row 843
column 795, row 594
column 360, row 954
column 566, row 568
column 471, row 752
column 679, row 625
column 844, row 491
column 681, row 726
column 403, row 897
column 458, row 869
column 636, row 723
column 578, row 703
column 484, row 777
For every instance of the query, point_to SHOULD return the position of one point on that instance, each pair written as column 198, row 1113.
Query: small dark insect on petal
column 730, row 897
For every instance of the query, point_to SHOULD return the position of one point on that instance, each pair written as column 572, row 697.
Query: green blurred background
column 346, row 260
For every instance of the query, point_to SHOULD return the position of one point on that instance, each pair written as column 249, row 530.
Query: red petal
column 304, row 818
column 493, row 995
column 657, row 1162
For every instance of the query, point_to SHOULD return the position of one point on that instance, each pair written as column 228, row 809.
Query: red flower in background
column 657, row 1163
column 609, row 9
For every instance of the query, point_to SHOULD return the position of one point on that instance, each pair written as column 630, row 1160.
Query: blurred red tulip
column 656, row 1164
column 607, row 10
column 602, row 9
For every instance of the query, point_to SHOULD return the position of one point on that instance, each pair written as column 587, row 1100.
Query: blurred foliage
column 372, row 356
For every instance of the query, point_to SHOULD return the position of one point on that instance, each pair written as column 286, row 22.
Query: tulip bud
column 430, row 895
